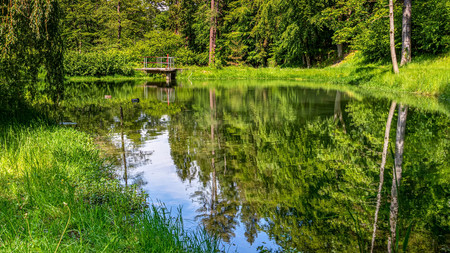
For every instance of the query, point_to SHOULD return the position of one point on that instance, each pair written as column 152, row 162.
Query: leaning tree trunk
column 397, row 173
column 392, row 36
column 213, row 32
column 406, row 33
column 383, row 163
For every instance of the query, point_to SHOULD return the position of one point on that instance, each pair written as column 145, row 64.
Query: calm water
column 273, row 167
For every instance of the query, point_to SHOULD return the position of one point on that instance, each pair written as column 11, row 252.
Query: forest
column 54, row 39
column 279, row 114
column 298, row 33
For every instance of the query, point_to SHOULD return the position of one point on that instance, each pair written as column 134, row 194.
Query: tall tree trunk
column 340, row 46
column 397, row 173
column 213, row 32
column 383, row 163
column 406, row 33
column 119, row 30
column 308, row 61
column 177, row 22
column 340, row 50
column 392, row 36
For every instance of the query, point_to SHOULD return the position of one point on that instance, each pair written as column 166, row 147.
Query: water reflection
column 275, row 168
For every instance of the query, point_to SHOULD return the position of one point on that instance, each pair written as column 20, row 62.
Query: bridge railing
column 159, row 62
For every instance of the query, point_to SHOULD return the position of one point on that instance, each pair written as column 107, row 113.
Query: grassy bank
column 426, row 76
column 58, row 194
column 138, row 76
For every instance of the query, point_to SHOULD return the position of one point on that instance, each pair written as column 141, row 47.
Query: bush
column 106, row 63
column 161, row 43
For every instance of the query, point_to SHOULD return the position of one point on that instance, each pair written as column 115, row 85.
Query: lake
column 274, row 166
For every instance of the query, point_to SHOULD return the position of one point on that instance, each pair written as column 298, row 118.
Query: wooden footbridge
column 160, row 65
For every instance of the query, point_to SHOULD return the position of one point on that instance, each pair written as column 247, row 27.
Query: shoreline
column 59, row 192
column 425, row 77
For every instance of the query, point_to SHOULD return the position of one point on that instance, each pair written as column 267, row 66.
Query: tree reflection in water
column 300, row 165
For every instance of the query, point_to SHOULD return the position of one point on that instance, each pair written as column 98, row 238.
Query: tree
column 383, row 163
column 30, row 37
column 392, row 36
column 119, row 28
column 406, row 33
column 397, row 173
column 213, row 31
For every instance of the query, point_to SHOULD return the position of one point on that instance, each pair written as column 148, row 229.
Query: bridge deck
column 159, row 70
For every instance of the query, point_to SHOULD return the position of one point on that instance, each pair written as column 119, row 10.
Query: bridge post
column 170, row 76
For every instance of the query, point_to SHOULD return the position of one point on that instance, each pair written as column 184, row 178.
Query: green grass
column 117, row 78
column 54, row 185
column 425, row 76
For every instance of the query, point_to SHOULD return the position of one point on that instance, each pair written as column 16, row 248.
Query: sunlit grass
column 139, row 76
column 423, row 76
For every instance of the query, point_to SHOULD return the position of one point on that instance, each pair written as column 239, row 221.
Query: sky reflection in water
column 274, row 168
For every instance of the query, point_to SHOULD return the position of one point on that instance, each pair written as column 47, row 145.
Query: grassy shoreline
column 424, row 76
column 118, row 78
column 57, row 193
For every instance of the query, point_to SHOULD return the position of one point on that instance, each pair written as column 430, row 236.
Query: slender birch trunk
column 397, row 173
column 383, row 163
column 406, row 33
column 392, row 36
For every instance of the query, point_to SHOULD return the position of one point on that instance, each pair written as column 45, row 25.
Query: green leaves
column 98, row 64
column 30, row 38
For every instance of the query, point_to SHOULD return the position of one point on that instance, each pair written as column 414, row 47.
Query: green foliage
column 430, row 27
column 159, row 43
column 364, row 25
column 94, row 24
column 30, row 39
column 100, row 63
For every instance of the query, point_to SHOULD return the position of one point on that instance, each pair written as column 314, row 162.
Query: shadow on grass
column 364, row 75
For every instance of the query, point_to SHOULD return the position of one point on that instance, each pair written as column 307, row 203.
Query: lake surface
column 273, row 167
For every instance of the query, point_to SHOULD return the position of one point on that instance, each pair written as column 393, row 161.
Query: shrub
column 106, row 63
